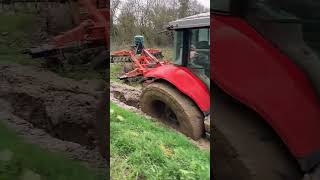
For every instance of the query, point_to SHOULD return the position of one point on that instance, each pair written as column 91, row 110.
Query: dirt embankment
column 125, row 95
column 128, row 97
column 55, row 112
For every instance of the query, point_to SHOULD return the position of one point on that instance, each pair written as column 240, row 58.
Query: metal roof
column 199, row 20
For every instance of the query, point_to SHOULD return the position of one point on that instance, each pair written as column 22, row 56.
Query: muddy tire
column 164, row 102
column 245, row 147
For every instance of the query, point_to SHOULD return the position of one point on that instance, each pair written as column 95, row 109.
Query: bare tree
column 148, row 18
column 115, row 5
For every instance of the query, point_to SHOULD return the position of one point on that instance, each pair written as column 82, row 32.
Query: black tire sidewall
column 188, row 125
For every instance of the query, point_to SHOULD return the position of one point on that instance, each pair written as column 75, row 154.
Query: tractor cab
column 293, row 27
column 192, row 44
column 267, row 57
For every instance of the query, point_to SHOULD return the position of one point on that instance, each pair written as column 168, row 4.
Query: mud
column 126, row 94
column 128, row 97
column 245, row 147
column 55, row 112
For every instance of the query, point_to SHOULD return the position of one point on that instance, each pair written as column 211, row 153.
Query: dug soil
column 57, row 113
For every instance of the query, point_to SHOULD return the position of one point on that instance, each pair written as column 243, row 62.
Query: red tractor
column 177, row 92
column 266, row 96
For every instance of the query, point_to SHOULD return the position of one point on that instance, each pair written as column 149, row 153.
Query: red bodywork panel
column 182, row 78
column 253, row 71
column 185, row 81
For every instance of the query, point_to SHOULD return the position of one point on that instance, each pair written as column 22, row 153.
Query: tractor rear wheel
column 245, row 147
column 164, row 102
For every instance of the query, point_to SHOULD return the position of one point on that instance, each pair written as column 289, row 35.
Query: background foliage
column 148, row 18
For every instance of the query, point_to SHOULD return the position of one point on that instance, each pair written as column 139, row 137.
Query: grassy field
column 143, row 148
column 17, row 157
column 115, row 70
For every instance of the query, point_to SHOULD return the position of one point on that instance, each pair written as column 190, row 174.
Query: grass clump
column 142, row 148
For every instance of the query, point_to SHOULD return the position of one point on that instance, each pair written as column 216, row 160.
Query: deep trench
column 134, row 102
column 33, row 110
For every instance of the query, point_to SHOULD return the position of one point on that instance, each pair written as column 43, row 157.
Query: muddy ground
column 55, row 112
column 44, row 108
column 128, row 97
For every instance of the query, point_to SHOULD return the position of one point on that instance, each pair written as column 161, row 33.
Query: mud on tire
column 157, row 98
column 245, row 147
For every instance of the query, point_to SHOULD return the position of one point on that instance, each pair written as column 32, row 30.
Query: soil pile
column 56, row 112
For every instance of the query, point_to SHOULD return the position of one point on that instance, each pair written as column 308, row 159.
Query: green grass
column 50, row 166
column 115, row 70
column 143, row 148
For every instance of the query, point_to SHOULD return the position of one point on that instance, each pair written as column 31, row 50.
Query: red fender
column 185, row 81
column 252, row 70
